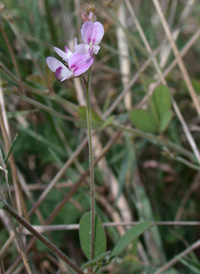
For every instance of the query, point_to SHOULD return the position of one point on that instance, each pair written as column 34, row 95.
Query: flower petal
column 77, row 59
column 53, row 63
column 97, row 33
column 79, row 63
column 86, row 32
column 82, row 48
column 63, row 74
column 83, row 67
column 65, row 55
column 61, row 71
column 96, row 49
column 75, row 41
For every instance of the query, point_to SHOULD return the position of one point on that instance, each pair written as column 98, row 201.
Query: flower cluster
column 82, row 58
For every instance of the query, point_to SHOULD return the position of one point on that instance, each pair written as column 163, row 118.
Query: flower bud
column 91, row 17
column 84, row 16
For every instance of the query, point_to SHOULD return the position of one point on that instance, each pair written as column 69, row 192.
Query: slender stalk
column 91, row 162
column 39, row 236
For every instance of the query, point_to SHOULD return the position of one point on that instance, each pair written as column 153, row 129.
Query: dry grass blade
column 180, row 62
column 124, row 62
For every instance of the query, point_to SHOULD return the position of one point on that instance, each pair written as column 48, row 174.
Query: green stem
column 39, row 236
column 91, row 163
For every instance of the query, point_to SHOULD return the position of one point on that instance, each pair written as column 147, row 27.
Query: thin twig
column 46, row 228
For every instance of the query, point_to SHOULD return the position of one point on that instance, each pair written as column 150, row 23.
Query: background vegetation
column 148, row 144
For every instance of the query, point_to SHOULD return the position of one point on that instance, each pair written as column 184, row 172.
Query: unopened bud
column 84, row 16
column 90, row 17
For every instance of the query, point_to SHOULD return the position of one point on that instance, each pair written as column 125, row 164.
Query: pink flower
column 61, row 71
column 77, row 63
column 83, row 57
column 92, row 34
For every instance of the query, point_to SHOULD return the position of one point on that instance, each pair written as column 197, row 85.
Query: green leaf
column 107, row 122
column 97, row 260
column 160, row 102
column 129, row 236
column 193, row 265
column 85, row 236
column 166, row 120
column 82, row 114
column 144, row 120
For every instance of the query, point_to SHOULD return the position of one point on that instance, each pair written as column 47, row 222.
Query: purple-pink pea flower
column 92, row 34
column 77, row 64
column 61, row 71
column 83, row 57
